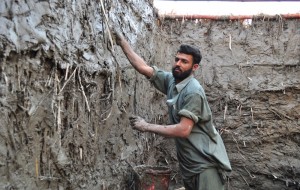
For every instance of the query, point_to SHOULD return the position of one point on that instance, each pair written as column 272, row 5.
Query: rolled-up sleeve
column 195, row 108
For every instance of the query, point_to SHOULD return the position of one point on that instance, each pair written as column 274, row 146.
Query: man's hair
column 190, row 50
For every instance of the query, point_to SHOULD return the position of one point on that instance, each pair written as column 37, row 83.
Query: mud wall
column 66, row 92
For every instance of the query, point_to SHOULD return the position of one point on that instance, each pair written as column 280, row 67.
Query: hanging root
column 67, row 80
column 83, row 93
column 230, row 42
column 107, row 25
column 225, row 111
column 108, row 114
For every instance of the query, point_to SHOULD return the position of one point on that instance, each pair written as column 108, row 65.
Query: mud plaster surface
column 66, row 93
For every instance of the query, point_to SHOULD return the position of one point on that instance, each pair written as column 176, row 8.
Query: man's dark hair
column 190, row 50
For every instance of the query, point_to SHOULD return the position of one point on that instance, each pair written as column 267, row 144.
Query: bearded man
column 200, row 149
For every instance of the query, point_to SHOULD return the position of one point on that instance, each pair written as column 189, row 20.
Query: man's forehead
column 184, row 56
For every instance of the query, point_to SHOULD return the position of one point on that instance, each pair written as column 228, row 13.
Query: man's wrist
column 147, row 127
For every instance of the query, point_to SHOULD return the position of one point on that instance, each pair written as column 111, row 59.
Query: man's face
column 183, row 66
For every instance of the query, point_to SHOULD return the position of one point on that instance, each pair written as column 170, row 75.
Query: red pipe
column 230, row 17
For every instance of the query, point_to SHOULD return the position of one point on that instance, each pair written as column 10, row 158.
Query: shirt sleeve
column 160, row 79
column 196, row 108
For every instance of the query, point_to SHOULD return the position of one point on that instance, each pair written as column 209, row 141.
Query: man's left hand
column 138, row 123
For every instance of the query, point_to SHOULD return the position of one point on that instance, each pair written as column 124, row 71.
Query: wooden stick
column 36, row 168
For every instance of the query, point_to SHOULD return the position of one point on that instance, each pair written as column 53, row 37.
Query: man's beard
column 181, row 75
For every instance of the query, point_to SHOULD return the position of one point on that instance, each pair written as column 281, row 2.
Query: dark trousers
column 209, row 179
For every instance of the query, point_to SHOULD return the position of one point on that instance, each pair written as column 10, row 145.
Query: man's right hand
column 136, row 61
column 117, row 35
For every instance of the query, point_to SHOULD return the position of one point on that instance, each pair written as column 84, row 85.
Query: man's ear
column 195, row 67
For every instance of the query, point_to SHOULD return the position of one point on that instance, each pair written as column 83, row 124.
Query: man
column 200, row 150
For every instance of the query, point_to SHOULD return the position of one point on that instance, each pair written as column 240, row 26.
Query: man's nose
column 178, row 63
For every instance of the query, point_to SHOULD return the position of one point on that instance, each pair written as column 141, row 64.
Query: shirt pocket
column 172, row 103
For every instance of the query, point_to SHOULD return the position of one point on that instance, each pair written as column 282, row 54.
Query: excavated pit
column 66, row 92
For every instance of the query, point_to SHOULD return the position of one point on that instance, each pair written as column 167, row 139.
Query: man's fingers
column 134, row 117
column 131, row 119
column 117, row 34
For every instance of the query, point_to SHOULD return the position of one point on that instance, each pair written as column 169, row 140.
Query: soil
column 66, row 92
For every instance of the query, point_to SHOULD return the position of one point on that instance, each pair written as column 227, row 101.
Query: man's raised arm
column 136, row 61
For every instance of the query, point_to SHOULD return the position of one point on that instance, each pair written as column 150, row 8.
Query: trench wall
column 66, row 92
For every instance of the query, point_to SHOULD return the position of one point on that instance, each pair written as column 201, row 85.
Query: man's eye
column 176, row 59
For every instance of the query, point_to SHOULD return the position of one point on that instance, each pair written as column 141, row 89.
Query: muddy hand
column 138, row 123
column 117, row 35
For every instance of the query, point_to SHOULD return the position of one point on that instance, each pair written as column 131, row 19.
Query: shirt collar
column 183, row 83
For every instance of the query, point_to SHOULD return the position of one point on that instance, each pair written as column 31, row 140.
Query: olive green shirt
column 204, row 147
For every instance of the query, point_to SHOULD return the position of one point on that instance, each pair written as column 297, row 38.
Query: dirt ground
column 66, row 92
